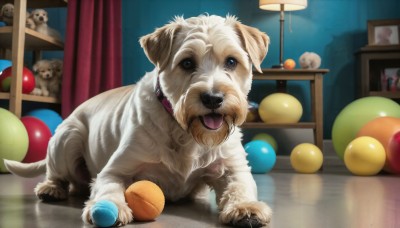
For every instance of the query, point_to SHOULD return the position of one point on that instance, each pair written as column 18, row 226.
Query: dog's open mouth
column 212, row 121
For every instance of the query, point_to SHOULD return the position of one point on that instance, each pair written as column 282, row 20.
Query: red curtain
column 93, row 51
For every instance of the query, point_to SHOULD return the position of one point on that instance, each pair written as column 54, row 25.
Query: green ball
column 266, row 138
column 355, row 115
column 13, row 138
column 5, row 84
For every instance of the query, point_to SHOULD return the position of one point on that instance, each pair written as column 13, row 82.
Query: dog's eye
column 188, row 64
column 230, row 63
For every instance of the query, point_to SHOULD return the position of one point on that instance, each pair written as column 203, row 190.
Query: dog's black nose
column 212, row 100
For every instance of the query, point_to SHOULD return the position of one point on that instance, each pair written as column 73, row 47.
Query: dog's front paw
column 247, row 214
column 45, row 93
column 37, row 92
column 124, row 213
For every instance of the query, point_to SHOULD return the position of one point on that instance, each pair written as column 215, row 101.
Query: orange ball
column 383, row 129
column 289, row 64
column 145, row 199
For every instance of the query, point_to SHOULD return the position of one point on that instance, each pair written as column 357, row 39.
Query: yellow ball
column 145, row 199
column 306, row 158
column 289, row 64
column 280, row 108
column 364, row 156
column 266, row 138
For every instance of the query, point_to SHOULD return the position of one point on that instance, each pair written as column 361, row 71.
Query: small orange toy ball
column 289, row 64
column 145, row 199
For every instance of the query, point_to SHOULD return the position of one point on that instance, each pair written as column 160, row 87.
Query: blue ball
column 261, row 156
column 2, row 24
column 104, row 213
column 4, row 63
column 51, row 118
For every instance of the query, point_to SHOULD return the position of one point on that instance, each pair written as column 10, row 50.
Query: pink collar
column 161, row 97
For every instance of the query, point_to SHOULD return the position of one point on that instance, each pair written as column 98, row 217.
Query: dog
column 40, row 18
column 57, row 65
column 7, row 13
column 46, row 79
column 178, row 126
column 30, row 23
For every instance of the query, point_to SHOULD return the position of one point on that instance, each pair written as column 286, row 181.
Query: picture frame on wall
column 390, row 79
column 384, row 33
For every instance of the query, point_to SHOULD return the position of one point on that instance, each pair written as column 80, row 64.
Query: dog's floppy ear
column 157, row 45
column 35, row 67
column 255, row 42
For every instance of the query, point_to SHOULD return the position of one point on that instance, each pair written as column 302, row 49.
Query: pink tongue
column 213, row 121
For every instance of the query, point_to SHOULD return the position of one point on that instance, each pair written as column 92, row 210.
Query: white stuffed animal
column 310, row 60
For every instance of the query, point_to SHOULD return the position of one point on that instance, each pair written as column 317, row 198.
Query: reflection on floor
column 327, row 199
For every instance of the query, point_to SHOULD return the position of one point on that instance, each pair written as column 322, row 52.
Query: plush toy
column 310, row 60
column 145, row 199
column 104, row 213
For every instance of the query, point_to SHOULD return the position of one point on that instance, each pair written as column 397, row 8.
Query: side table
column 315, row 77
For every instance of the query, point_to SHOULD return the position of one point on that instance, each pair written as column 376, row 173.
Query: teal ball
column 261, row 156
column 104, row 213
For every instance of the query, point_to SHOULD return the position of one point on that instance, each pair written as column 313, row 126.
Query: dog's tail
column 26, row 170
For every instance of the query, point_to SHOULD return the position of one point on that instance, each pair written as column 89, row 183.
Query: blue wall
column 335, row 29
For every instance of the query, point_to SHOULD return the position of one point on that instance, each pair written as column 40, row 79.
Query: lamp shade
column 289, row 5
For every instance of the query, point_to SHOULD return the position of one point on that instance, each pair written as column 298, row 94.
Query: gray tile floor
column 327, row 199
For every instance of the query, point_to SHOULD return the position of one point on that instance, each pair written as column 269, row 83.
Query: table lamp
column 282, row 5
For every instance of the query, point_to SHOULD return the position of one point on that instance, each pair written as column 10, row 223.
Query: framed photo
column 384, row 33
column 390, row 79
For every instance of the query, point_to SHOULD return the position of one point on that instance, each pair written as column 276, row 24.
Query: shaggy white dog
column 177, row 127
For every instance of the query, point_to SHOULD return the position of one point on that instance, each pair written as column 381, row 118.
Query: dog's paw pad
column 247, row 214
column 48, row 198
column 50, row 191
column 252, row 221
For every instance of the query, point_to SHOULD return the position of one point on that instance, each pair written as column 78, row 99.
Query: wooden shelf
column 18, row 39
column 4, row 96
column 371, row 60
column 315, row 79
column 33, row 40
column 40, row 3
column 261, row 125
column 386, row 94
column 28, row 97
column 283, row 74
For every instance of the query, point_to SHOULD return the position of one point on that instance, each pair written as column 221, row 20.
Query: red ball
column 39, row 135
column 394, row 148
column 28, row 79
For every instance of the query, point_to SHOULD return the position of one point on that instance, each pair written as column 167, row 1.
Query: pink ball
column 39, row 135
column 394, row 148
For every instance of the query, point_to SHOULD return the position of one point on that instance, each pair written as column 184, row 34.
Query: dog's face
column 39, row 16
column 7, row 10
column 57, row 66
column 43, row 69
column 205, row 71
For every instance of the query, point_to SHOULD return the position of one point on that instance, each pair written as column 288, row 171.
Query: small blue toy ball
column 51, row 118
column 2, row 24
column 104, row 213
column 261, row 156
column 4, row 63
